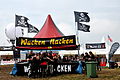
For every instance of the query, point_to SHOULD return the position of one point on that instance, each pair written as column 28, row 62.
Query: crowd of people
column 39, row 62
column 84, row 57
column 42, row 59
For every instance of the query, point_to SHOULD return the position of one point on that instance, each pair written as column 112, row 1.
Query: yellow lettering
column 60, row 41
column 32, row 42
column 52, row 41
column 43, row 43
column 67, row 41
column 71, row 41
column 56, row 41
column 29, row 43
column 63, row 41
column 23, row 42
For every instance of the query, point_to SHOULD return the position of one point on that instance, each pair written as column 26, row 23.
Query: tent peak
column 49, row 15
column 49, row 30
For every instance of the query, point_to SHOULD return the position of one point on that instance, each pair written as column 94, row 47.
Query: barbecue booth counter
column 24, row 68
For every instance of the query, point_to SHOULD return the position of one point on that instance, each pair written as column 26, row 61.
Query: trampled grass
column 105, row 74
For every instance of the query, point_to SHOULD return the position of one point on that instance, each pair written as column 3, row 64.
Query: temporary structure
column 49, row 30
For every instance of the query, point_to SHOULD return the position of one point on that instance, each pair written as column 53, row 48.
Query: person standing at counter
column 82, row 58
column 33, row 61
column 30, row 55
column 98, row 59
column 92, row 56
column 35, row 65
column 86, row 57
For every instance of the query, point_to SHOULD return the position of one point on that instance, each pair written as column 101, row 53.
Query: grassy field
column 105, row 74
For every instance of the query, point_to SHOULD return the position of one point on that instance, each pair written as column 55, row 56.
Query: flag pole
column 108, row 57
column 14, row 41
column 77, row 37
column 81, row 17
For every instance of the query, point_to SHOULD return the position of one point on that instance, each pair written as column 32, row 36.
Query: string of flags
column 22, row 21
column 82, row 17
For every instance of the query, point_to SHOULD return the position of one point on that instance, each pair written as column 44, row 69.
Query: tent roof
column 49, row 30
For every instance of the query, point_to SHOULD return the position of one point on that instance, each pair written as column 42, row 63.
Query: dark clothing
column 43, row 66
column 30, row 55
column 86, row 57
column 34, row 67
column 92, row 57
column 55, row 60
column 98, row 59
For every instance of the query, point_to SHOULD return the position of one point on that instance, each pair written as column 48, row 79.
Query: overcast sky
column 104, row 15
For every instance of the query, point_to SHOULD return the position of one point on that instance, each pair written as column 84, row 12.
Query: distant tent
column 49, row 30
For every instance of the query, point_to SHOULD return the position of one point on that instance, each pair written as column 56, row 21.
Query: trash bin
column 111, row 64
column 91, row 69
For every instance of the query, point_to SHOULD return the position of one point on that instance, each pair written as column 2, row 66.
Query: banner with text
column 95, row 46
column 58, row 41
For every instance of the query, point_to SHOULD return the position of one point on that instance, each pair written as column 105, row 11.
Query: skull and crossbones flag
column 32, row 29
column 81, row 17
column 83, row 27
column 21, row 21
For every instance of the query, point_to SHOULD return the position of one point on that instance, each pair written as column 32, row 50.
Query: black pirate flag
column 21, row 21
column 83, row 27
column 81, row 17
column 32, row 29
